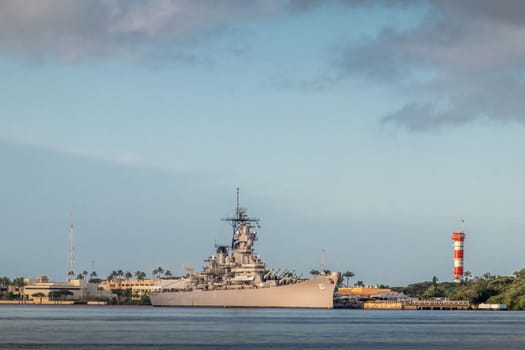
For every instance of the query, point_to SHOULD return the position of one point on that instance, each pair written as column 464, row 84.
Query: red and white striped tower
column 459, row 240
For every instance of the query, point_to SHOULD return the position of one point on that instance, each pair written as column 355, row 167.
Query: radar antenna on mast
column 237, row 210
column 240, row 218
column 323, row 265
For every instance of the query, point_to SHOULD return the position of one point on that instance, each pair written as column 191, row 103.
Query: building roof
column 365, row 291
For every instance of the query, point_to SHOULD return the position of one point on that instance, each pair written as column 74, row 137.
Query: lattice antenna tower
column 71, row 250
column 323, row 264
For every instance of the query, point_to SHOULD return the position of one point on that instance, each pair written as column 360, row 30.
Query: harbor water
column 133, row 327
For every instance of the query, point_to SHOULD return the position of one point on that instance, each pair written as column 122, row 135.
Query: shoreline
column 61, row 303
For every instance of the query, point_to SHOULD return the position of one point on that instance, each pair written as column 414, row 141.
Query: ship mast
column 237, row 208
column 240, row 219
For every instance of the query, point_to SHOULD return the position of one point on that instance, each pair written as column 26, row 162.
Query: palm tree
column 128, row 275
column 93, row 278
column 435, row 280
column 158, row 271
column 168, row 273
column 4, row 282
column 140, row 276
column 112, row 275
column 120, row 274
column 359, row 284
column 314, row 272
column 348, row 275
column 19, row 284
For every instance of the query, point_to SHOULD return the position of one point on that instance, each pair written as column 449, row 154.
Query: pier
column 416, row 305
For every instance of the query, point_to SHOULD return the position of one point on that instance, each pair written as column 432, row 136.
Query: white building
column 40, row 290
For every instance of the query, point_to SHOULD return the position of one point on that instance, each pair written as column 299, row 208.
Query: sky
column 362, row 129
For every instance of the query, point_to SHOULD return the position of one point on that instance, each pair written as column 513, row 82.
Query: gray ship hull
column 314, row 293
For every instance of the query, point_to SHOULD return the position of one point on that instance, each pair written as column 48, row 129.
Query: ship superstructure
column 242, row 265
column 235, row 276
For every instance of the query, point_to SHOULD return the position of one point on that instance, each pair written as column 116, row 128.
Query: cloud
column 123, row 157
column 93, row 29
column 463, row 62
column 457, row 102
column 423, row 117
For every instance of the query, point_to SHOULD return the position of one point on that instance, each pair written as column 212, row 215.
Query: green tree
column 520, row 274
column 145, row 300
column 128, row 275
column 430, row 292
column 315, row 272
column 488, row 276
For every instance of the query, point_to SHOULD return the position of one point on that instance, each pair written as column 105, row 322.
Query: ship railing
column 168, row 290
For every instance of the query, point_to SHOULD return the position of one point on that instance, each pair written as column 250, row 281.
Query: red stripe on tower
column 459, row 240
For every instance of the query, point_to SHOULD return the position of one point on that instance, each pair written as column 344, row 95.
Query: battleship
column 236, row 277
